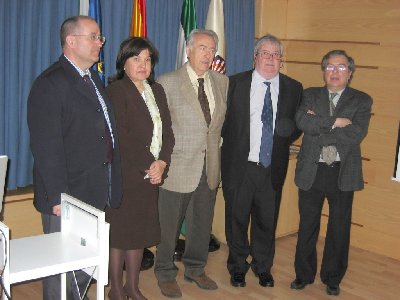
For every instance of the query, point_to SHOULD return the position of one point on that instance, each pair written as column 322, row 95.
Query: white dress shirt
column 257, row 94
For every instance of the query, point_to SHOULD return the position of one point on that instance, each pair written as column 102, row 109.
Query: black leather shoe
column 147, row 260
column 333, row 290
column 238, row 280
column 265, row 279
column 298, row 284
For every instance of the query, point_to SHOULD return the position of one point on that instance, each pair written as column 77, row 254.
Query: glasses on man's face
column 268, row 55
column 339, row 68
column 205, row 49
column 93, row 37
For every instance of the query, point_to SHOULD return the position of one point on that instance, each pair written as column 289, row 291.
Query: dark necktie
column 204, row 101
column 89, row 84
column 107, row 134
column 267, row 129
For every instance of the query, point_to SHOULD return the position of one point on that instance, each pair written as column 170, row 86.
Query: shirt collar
column 80, row 71
column 257, row 78
column 193, row 76
column 338, row 92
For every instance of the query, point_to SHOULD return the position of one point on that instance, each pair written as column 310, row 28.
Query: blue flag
column 95, row 13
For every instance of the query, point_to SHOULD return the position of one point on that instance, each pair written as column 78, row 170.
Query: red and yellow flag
column 138, row 22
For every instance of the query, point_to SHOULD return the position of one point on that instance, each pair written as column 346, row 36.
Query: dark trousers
column 257, row 202
column 336, row 250
column 197, row 208
column 52, row 284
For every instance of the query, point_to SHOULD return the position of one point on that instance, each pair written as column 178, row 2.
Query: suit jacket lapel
column 135, row 99
column 217, row 93
column 346, row 95
column 244, row 87
column 77, row 80
column 323, row 102
column 283, row 90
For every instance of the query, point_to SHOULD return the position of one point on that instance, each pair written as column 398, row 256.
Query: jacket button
column 102, row 137
column 98, row 110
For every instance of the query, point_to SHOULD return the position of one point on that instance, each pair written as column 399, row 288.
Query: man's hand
column 310, row 112
column 57, row 210
column 342, row 122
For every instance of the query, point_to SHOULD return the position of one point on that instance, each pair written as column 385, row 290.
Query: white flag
column 215, row 22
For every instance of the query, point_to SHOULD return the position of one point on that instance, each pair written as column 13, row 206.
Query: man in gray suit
column 196, row 98
column 335, row 120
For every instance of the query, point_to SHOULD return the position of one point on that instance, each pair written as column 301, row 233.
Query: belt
column 336, row 163
column 258, row 164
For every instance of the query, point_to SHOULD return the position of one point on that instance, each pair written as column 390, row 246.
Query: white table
column 81, row 244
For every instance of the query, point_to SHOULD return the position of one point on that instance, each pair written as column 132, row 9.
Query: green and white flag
column 188, row 23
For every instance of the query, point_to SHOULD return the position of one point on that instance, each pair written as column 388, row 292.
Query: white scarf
column 156, row 141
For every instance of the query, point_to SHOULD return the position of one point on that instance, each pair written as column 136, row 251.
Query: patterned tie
column 107, row 134
column 204, row 101
column 329, row 153
column 267, row 129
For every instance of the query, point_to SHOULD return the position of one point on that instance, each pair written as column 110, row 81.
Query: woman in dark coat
column 146, row 142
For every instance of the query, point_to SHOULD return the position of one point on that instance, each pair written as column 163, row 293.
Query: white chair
column 82, row 244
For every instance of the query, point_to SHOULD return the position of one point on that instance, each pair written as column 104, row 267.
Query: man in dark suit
column 258, row 130
column 335, row 120
column 72, row 128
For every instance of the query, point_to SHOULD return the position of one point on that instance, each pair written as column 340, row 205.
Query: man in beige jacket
column 197, row 101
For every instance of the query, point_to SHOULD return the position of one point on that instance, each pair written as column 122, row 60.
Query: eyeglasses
column 93, row 37
column 268, row 55
column 203, row 49
column 339, row 68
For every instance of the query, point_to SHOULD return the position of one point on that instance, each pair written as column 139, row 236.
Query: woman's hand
column 156, row 171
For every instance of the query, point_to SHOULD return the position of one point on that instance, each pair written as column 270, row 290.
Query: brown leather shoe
column 203, row 282
column 170, row 289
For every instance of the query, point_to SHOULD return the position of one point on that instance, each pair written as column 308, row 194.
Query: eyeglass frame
column 203, row 49
column 93, row 37
column 268, row 55
column 339, row 68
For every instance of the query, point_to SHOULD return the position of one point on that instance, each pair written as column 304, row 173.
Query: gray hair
column 269, row 38
column 70, row 26
column 350, row 60
column 209, row 32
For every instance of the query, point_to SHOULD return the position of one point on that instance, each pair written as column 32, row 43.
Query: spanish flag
column 138, row 22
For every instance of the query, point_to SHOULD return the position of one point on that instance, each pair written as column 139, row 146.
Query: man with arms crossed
column 335, row 120
column 196, row 98
column 73, row 138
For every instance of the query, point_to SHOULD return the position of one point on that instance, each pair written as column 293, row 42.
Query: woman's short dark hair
column 132, row 47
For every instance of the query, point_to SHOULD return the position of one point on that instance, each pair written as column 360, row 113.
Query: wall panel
column 368, row 30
